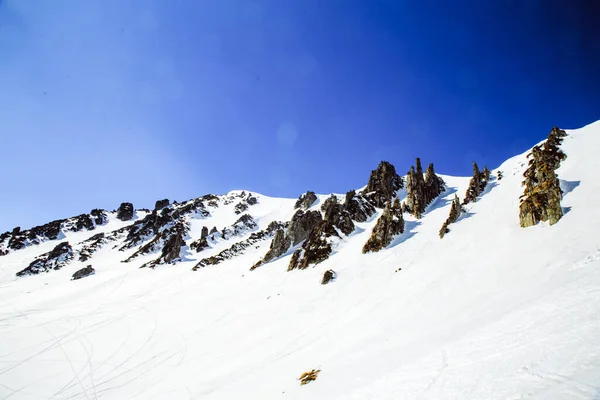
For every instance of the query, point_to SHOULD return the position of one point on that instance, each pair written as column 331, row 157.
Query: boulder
column 83, row 272
column 328, row 276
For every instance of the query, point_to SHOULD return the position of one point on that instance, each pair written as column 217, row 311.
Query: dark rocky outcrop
column 434, row 185
column 213, row 230
column 147, row 227
column 542, row 195
column 168, row 240
column 477, row 184
column 61, row 255
column 99, row 216
column 200, row 244
column 316, row 249
column 336, row 215
column 160, row 204
column 421, row 191
column 83, row 272
column 383, row 184
column 125, row 211
column 328, row 276
column 455, row 211
column 251, row 200
column 243, row 225
column 239, row 247
column 500, row 175
column 299, row 228
column 359, row 208
column 240, row 207
column 389, row 224
column 414, row 191
column 306, row 200
column 171, row 250
column 195, row 207
column 83, row 221
column 204, row 232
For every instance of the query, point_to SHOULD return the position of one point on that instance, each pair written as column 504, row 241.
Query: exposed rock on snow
column 300, row 226
column 389, row 224
column 421, row 191
column 477, row 184
column 541, row 199
column 306, row 200
column 243, row 225
column 160, row 204
column 359, row 208
column 328, row 276
column 383, row 184
column 455, row 210
column 239, row 247
column 125, row 211
column 83, row 272
column 61, row 255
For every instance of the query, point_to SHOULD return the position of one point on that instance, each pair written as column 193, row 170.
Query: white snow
column 492, row 311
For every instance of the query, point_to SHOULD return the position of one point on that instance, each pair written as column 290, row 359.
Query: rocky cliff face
column 542, row 195
column 172, row 234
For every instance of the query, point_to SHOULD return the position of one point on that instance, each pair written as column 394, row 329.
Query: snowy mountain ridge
column 219, row 297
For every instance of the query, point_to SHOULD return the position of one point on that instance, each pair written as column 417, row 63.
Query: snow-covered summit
column 491, row 311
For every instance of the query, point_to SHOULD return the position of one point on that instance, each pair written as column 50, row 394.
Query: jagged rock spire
column 383, row 184
column 477, row 184
column 542, row 195
column 420, row 192
column 306, row 200
column 455, row 211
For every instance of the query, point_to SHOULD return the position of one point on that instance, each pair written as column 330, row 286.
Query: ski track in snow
column 492, row 311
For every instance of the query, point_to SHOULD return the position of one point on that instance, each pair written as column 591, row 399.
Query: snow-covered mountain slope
column 491, row 311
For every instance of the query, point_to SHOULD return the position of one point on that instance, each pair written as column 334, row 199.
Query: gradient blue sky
column 104, row 101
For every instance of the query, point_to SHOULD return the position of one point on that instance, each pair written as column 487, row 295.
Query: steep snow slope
column 492, row 311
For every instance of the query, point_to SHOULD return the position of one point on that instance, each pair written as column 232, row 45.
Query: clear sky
column 105, row 101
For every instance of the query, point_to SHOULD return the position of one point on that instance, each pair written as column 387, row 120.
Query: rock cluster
column 542, row 195
column 420, row 190
column 306, row 200
column 299, row 228
column 389, row 224
column 239, row 247
column 61, row 255
column 383, row 184
column 359, row 208
column 455, row 211
column 477, row 184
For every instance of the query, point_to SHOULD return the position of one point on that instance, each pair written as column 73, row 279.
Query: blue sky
column 122, row 100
